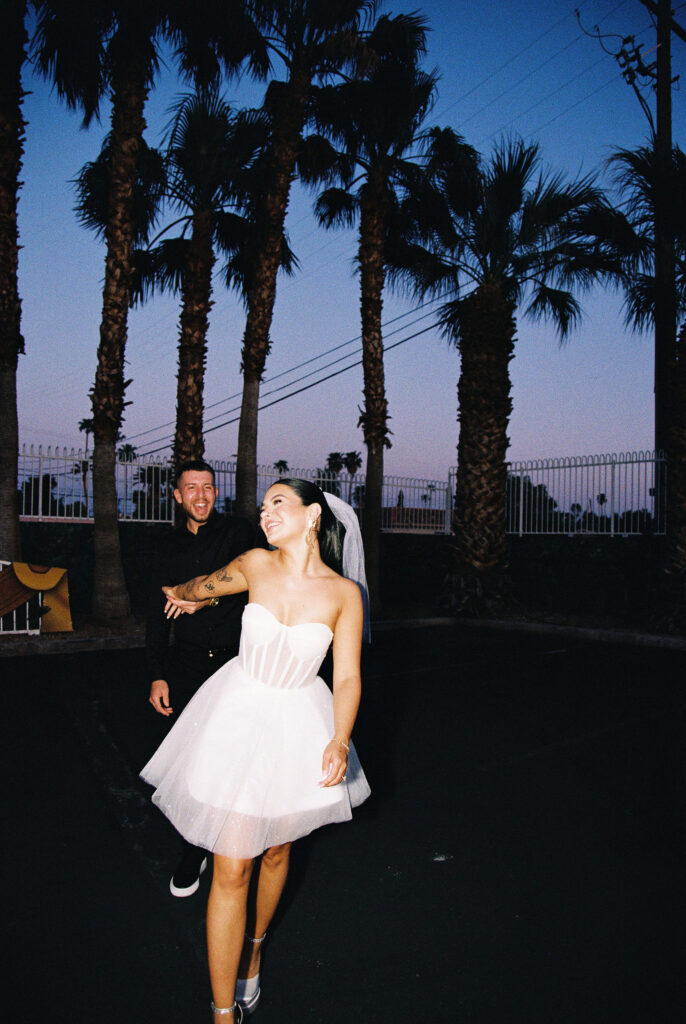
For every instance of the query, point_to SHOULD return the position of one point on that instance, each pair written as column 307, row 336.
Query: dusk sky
column 514, row 67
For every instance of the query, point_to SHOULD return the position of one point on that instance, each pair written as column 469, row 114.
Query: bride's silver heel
column 248, row 989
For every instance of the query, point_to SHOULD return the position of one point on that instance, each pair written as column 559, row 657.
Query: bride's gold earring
column 311, row 535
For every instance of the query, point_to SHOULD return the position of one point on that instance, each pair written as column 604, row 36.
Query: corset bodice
column 284, row 657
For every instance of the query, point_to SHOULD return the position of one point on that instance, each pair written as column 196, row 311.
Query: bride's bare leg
column 226, row 927
column 273, row 870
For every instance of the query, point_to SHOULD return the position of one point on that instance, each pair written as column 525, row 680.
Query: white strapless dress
column 239, row 771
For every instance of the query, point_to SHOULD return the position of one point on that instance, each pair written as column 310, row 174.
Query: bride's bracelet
column 342, row 743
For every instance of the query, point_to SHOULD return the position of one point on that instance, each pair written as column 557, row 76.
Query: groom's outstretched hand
column 159, row 697
column 176, row 606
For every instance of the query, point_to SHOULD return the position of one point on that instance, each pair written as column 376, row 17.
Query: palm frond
column 68, row 47
column 450, row 321
column 507, row 177
column 336, row 207
column 160, row 269
column 92, row 185
column 400, row 37
column 318, row 161
column 551, row 206
column 555, row 304
column 639, row 303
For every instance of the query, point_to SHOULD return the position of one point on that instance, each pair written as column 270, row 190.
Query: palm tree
column 87, row 48
column 334, row 464
column 126, row 452
column 154, row 495
column 312, row 41
column 352, row 461
column 676, row 492
column 281, row 467
column 630, row 230
column 375, row 123
column 84, row 465
column 212, row 160
column 86, row 427
column 13, row 42
column 524, row 237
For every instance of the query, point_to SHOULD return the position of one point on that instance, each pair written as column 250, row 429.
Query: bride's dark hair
column 331, row 532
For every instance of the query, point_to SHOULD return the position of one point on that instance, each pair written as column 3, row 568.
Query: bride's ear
column 314, row 512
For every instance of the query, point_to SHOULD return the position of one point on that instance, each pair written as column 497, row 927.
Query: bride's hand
column 176, row 606
column 334, row 763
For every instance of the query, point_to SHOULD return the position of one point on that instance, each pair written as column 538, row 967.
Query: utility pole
column 638, row 74
column 670, row 354
column 665, row 285
column 670, row 371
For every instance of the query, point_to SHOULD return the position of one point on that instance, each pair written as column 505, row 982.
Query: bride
column 262, row 754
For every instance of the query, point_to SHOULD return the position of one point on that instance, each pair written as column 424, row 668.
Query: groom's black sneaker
column 186, row 879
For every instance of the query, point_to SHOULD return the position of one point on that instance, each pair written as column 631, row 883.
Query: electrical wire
column 306, row 362
column 305, row 387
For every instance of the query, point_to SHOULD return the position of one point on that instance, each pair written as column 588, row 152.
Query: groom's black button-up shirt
column 183, row 556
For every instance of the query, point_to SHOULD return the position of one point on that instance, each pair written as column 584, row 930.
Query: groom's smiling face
column 196, row 494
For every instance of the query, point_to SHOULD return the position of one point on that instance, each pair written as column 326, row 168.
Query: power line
column 509, row 61
column 306, row 362
column 533, row 71
column 326, row 366
column 538, row 103
column 290, row 384
column 305, row 387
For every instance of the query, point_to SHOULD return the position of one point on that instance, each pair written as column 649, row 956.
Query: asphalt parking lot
column 521, row 859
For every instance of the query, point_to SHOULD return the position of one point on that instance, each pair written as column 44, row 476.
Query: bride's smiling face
column 283, row 516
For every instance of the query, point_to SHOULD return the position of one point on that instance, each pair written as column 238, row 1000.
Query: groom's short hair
column 193, row 466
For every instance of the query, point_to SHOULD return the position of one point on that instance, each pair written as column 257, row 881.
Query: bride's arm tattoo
column 190, row 591
column 187, row 591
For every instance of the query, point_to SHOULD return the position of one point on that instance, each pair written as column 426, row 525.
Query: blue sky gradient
column 506, row 68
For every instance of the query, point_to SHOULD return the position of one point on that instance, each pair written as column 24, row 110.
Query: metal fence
column 24, row 619
column 606, row 495
column 56, row 484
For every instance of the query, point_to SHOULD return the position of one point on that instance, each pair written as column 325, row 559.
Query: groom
column 201, row 643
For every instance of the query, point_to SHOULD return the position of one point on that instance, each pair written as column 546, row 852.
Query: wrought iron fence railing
column 56, row 484
column 606, row 495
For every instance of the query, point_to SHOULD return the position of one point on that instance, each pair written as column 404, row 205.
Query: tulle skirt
column 239, row 771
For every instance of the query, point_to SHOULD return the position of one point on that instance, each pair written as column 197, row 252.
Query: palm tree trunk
column 674, row 577
column 487, row 334
column 261, row 292
column 110, row 596
column 246, row 464
column 374, row 416
column 189, row 442
column 12, row 57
